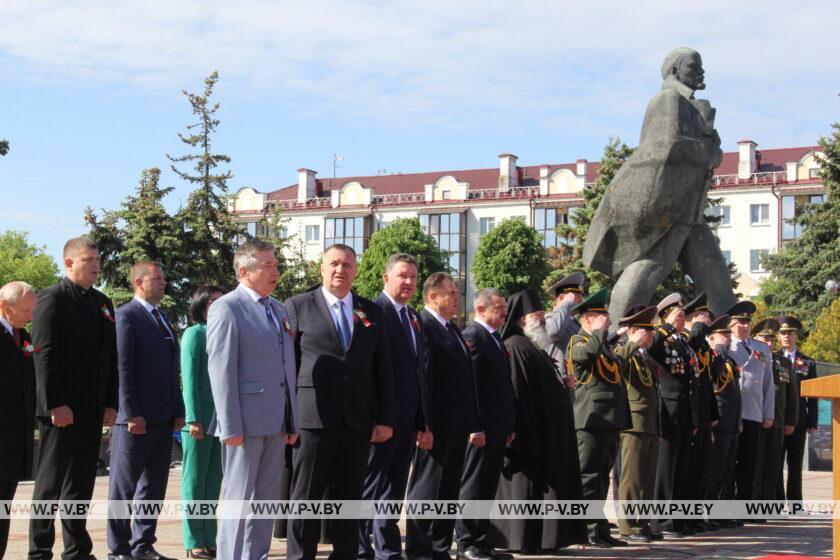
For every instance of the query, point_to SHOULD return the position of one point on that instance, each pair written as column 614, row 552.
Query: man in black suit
column 76, row 393
column 483, row 465
column 151, row 408
column 345, row 397
column 389, row 462
column 17, row 393
column 453, row 403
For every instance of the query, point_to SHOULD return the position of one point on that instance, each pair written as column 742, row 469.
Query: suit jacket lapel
column 396, row 322
column 321, row 305
column 147, row 318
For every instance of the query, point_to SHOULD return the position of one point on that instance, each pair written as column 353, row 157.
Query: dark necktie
column 454, row 334
column 269, row 315
column 162, row 326
column 498, row 338
column 16, row 337
column 407, row 329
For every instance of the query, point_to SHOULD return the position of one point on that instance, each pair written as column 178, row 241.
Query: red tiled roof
column 405, row 183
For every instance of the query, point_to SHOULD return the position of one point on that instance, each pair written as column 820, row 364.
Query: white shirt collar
column 331, row 299
column 437, row 316
column 792, row 353
column 254, row 295
column 7, row 324
column 489, row 329
column 397, row 305
column 146, row 305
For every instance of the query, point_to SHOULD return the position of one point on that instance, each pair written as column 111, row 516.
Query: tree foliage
column 297, row 272
column 4, row 147
column 21, row 260
column 141, row 230
column 800, row 271
column 510, row 258
column 824, row 342
column 403, row 235
column 210, row 234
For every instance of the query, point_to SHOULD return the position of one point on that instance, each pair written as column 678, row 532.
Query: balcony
column 496, row 194
column 764, row 178
column 318, row 202
column 394, row 199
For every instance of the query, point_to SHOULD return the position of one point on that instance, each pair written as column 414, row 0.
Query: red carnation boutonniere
column 288, row 328
column 692, row 361
column 758, row 355
column 469, row 344
column 416, row 324
column 107, row 313
column 359, row 315
column 799, row 361
column 28, row 349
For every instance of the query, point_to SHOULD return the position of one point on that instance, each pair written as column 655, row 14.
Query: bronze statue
column 652, row 212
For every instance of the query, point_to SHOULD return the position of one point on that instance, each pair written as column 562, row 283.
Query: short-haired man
column 76, row 393
column 561, row 324
column 483, row 465
column 250, row 361
column 455, row 420
column 17, row 392
column 345, row 397
column 757, row 393
column 150, row 408
column 804, row 368
column 389, row 461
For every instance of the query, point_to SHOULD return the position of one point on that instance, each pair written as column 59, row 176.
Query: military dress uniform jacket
column 805, row 368
column 786, row 405
column 600, row 395
column 674, row 358
column 726, row 385
column 642, row 386
column 704, row 406
column 561, row 325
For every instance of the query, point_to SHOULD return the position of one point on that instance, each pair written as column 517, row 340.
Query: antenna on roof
column 336, row 159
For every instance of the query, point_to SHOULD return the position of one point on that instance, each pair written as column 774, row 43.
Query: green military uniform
column 601, row 411
column 202, row 467
column 786, row 413
column 639, row 442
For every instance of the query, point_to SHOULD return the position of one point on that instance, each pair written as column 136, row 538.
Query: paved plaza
column 807, row 537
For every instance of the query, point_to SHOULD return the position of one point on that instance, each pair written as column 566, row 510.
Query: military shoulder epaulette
column 663, row 330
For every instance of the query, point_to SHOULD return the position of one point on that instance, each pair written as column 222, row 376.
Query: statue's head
column 685, row 66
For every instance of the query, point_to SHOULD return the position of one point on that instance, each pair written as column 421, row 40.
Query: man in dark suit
column 17, row 392
column 483, row 465
column 455, row 420
column 76, row 393
column 345, row 397
column 389, row 462
column 150, row 408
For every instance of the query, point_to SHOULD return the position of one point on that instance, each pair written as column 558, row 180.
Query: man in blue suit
column 150, row 408
column 390, row 461
column 251, row 363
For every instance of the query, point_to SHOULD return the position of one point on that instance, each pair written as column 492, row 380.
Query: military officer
column 723, row 370
column 786, row 413
column 698, row 317
column 601, row 409
column 803, row 368
column 561, row 324
column 639, row 442
column 755, row 361
column 676, row 360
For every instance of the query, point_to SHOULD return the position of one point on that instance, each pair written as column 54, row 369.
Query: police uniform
column 560, row 323
column 720, row 484
column 639, row 442
column 794, row 447
column 601, row 411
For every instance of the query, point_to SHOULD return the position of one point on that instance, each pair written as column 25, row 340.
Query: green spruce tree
column 4, row 147
column 210, row 234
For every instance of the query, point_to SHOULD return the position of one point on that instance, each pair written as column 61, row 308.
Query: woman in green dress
column 202, row 467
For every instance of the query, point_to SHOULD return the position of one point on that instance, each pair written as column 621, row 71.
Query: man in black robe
column 542, row 462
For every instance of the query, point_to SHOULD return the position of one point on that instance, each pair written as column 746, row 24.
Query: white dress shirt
column 7, row 324
column 489, row 329
column 149, row 307
column 257, row 297
column 399, row 307
column 332, row 304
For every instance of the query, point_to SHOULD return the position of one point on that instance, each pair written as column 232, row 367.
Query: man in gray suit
column 251, row 363
column 561, row 324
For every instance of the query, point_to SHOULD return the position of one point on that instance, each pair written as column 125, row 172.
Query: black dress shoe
column 726, row 524
column 637, row 538
column 656, row 536
column 598, row 542
column 697, row 527
column 474, row 553
column 614, row 541
column 151, row 554
column 115, row 557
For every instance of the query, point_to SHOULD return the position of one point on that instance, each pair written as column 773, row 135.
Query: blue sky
column 90, row 95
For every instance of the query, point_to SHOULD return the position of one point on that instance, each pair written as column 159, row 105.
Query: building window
column 449, row 231
column 759, row 214
column 349, row 231
column 485, row 225
column 727, row 256
column 445, row 195
column 755, row 259
column 546, row 219
column 814, row 173
column 792, row 207
column 313, row 233
column 721, row 212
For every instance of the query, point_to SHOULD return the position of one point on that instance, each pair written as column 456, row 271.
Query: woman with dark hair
column 202, row 467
